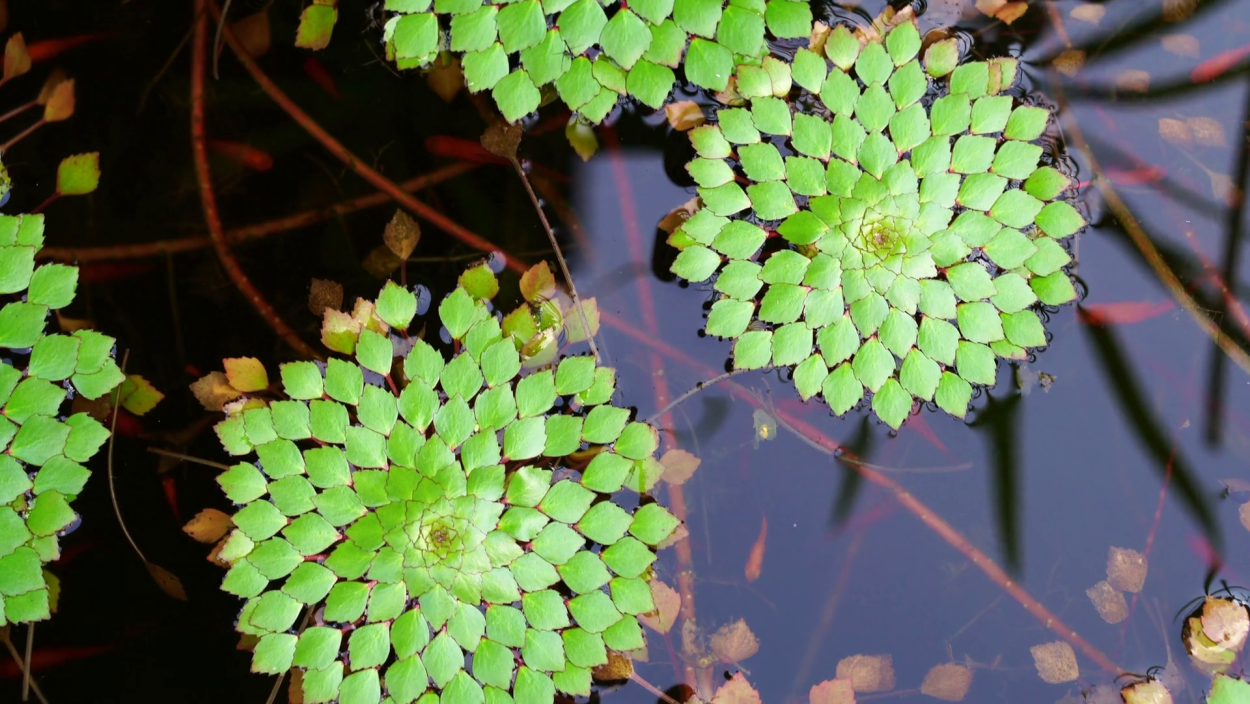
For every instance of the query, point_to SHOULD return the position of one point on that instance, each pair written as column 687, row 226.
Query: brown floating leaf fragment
column 214, row 555
column 1133, row 80
column 1012, row 11
column 246, row 373
column 1225, row 622
column 1182, row 45
column 1178, row 10
column 618, row 667
column 60, row 105
column 253, row 33
column 1176, row 131
column 1244, row 514
column 990, row 7
column 502, row 138
column 736, row 691
column 208, row 526
column 684, row 115
column 213, row 391
column 1089, row 12
column 1126, row 569
column 167, row 581
column 16, row 58
column 820, row 34
column 381, row 261
column 679, row 466
column 295, row 690
column 446, row 78
column 582, row 138
column 401, row 235
column 324, row 294
column 832, row 692
column 1055, row 662
column 949, row 682
column 1069, row 62
column 1148, row 692
column 54, row 79
column 868, row 673
column 1109, row 602
column 667, row 605
column 677, row 216
column 734, row 642
column 1207, row 131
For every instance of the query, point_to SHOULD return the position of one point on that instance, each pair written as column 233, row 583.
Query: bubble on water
column 73, row 526
column 444, row 335
column 423, row 298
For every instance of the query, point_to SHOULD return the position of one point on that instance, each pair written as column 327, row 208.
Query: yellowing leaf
column 208, row 526
column 820, row 34
column 1069, row 62
column 16, row 58
column 253, row 33
column 1012, row 11
column 1109, row 602
column 734, row 642
column 1181, row 45
column 445, row 77
column 949, row 682
column 667, row 606
column 684, row 115
column 1089, row 12
column 246, row 374
column 138, row 396
column 679, row 466
column 323, row 294
column 677, row 216
column 1126, row 569
column 868, row 673
column 54, row 79
column 167, row 581
column 538, row 284
column 581, row 137
column 736, row 691
column 832, row 692
column 1055, row 662
column 60, row 105
column 78, row 175
column 401, row 235
column 214, row 391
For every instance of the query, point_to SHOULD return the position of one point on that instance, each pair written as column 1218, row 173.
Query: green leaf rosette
column 416, row 528
column 897, row 232
column 41, row 467
column 590, row 53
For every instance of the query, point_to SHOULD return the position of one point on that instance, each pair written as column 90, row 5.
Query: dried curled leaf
column 1055, row 662
column 1126, row 569
column 214, row 391
column 208, row 526
column 734, row 642
column 868, row 673
column 949, row 682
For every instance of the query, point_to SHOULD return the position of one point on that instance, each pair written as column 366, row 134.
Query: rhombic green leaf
column 43, row 453
column 421, row 505
column 922, row 232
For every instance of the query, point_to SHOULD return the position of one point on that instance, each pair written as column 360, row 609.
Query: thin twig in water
column 112, row 487
column 277, row 685
column 697, row 388
column 221, row 23
column 30, row 647
column 188, row 458
column 564, row 266
column 17, row 658
column 635, row 677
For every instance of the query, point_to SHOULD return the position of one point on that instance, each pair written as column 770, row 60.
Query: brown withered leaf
column 295, row 690
column 1126, row 569
column 214, row 555
column 253, row 33
column 1178, row 10
column 1069, row 62
column 1012, row 11
column 1148, row 692
column 16, row 58
column 679, row 215
column 502, row 138
column 1055, row 662
column 679, row 466
column 867, row 673
column 214, row 391
column 736, row 691
column 679, row 534
column 832, row 692
column 618, row 668
column 60, row 105
column 1175, row 131
column 820, row 34
column 247, row 642
column 734, row 642
column 1133, row 80
column 1089, row 12
column 446, row 77
column 684, row 115
column 1108, row 601
column 1207, row 131
column 1182, row 45
column 401, row 235
column 381, row 262
column 667, row 606
column 323, row 294
column 49, row 85
column 167, row 581
column 208, row 526
column 949, row 682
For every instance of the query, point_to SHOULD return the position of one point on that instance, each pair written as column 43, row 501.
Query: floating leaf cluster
column 419, row 510
column 592, row 52
column 897, row 233
column 41, row 467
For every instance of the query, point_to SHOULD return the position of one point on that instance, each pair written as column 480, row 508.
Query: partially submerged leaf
column 837, row 691
column 60, row 105
column 214, row 390
column 401, row 235
column 581, row 137
column 323, row 294
column 1126, row 569
column 252, row 32
column 734, row 642
column 1055, row 662
column 246, row 374
column 949, row 682
column 78, row 175
column 538, row 284
column 1182, row 45
column 1109, row 602
column 1069, row 62
column 679, row 466
column 208, row 526
column 736, row 691
column 316, row 24
column 868, row 673
column 1089, row 12
column 16, row 58
column 138, row 396
column 667, row 606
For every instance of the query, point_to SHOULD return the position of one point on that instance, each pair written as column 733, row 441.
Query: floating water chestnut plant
column 591, row 60
column 41, row 468
column 897, row 232
column 416, row 509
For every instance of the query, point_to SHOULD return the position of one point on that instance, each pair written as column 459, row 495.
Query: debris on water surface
column 734, row 642
column 838, row 691
column 1147, row 692
column 755, row 562
column 868, row 673
column 765, row 427
column 949, row 682
column 679, row 466
column 1109, row 602
column 1055, row 662
column 736, row 691
column 1126, row 569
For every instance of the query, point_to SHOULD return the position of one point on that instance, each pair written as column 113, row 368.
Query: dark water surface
column 886, row 583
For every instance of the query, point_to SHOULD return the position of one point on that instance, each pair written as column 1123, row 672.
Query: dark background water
column 1084, row 479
